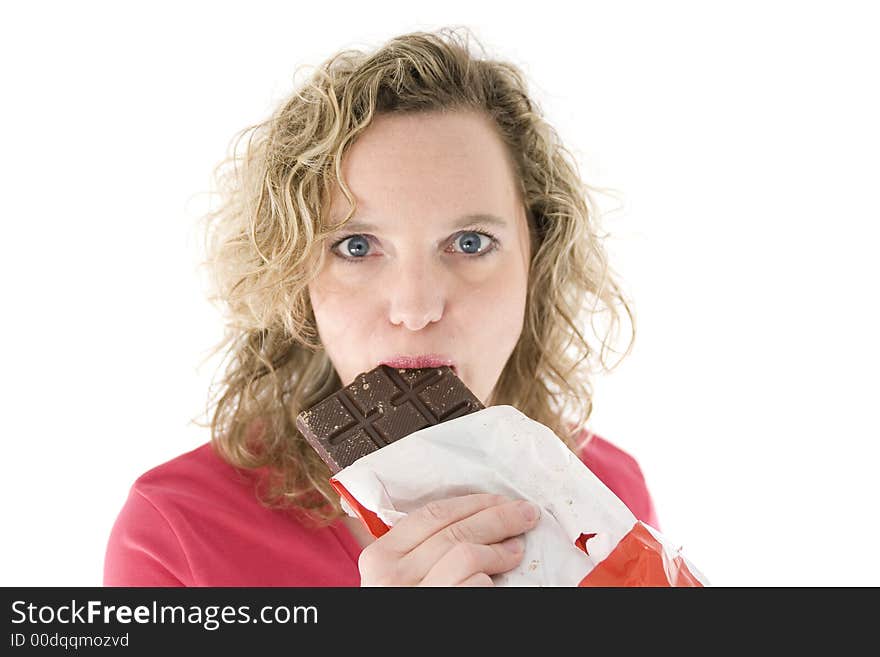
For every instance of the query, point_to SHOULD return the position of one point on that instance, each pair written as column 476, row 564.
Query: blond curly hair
column 265, row 239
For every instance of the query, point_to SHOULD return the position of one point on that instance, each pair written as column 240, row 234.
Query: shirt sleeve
column 143, row 549
column 623, row 475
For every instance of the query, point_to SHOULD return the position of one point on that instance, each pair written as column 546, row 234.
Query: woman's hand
column 459, row 541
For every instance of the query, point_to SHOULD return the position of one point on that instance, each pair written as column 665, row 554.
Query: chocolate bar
column 381, row 406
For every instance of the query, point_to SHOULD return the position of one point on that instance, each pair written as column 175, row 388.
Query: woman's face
column 433, row 267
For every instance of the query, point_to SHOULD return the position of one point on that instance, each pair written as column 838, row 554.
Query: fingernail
column 514, row 545
column 530, row 511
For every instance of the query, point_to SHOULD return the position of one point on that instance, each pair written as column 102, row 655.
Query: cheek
column 495, row 309
column 341, row 318
column 339, row 312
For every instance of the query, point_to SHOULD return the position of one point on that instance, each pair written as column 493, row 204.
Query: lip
column 420, row 360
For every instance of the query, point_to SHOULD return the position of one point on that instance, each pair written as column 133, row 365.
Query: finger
column 479, row 579
column 466, row 560
column 423, row 523
column 486, row 527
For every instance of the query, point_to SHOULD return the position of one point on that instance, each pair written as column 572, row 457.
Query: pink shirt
column 196, row 521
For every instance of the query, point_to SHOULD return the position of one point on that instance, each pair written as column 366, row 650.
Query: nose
column 416, row 295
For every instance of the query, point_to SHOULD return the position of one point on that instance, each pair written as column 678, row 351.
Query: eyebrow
column 461, row 222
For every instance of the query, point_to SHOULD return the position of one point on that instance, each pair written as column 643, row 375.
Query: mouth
column 427, row 360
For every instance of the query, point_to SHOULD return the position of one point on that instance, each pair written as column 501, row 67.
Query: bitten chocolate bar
column 381, row 406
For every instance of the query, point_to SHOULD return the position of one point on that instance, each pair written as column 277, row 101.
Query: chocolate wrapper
column 586, row 535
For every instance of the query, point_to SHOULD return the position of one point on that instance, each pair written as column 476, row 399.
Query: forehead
column 427, row 165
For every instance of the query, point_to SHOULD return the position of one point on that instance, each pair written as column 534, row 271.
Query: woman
column 408, row 206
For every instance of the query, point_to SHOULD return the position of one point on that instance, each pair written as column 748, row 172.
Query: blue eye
column 476, row 243
column 358, row 245
column 470, row 242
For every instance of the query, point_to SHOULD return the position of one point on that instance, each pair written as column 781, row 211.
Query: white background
column 743, row 142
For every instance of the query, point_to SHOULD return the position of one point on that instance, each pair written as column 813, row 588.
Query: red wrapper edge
column 639, row 559
column 370, row 519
